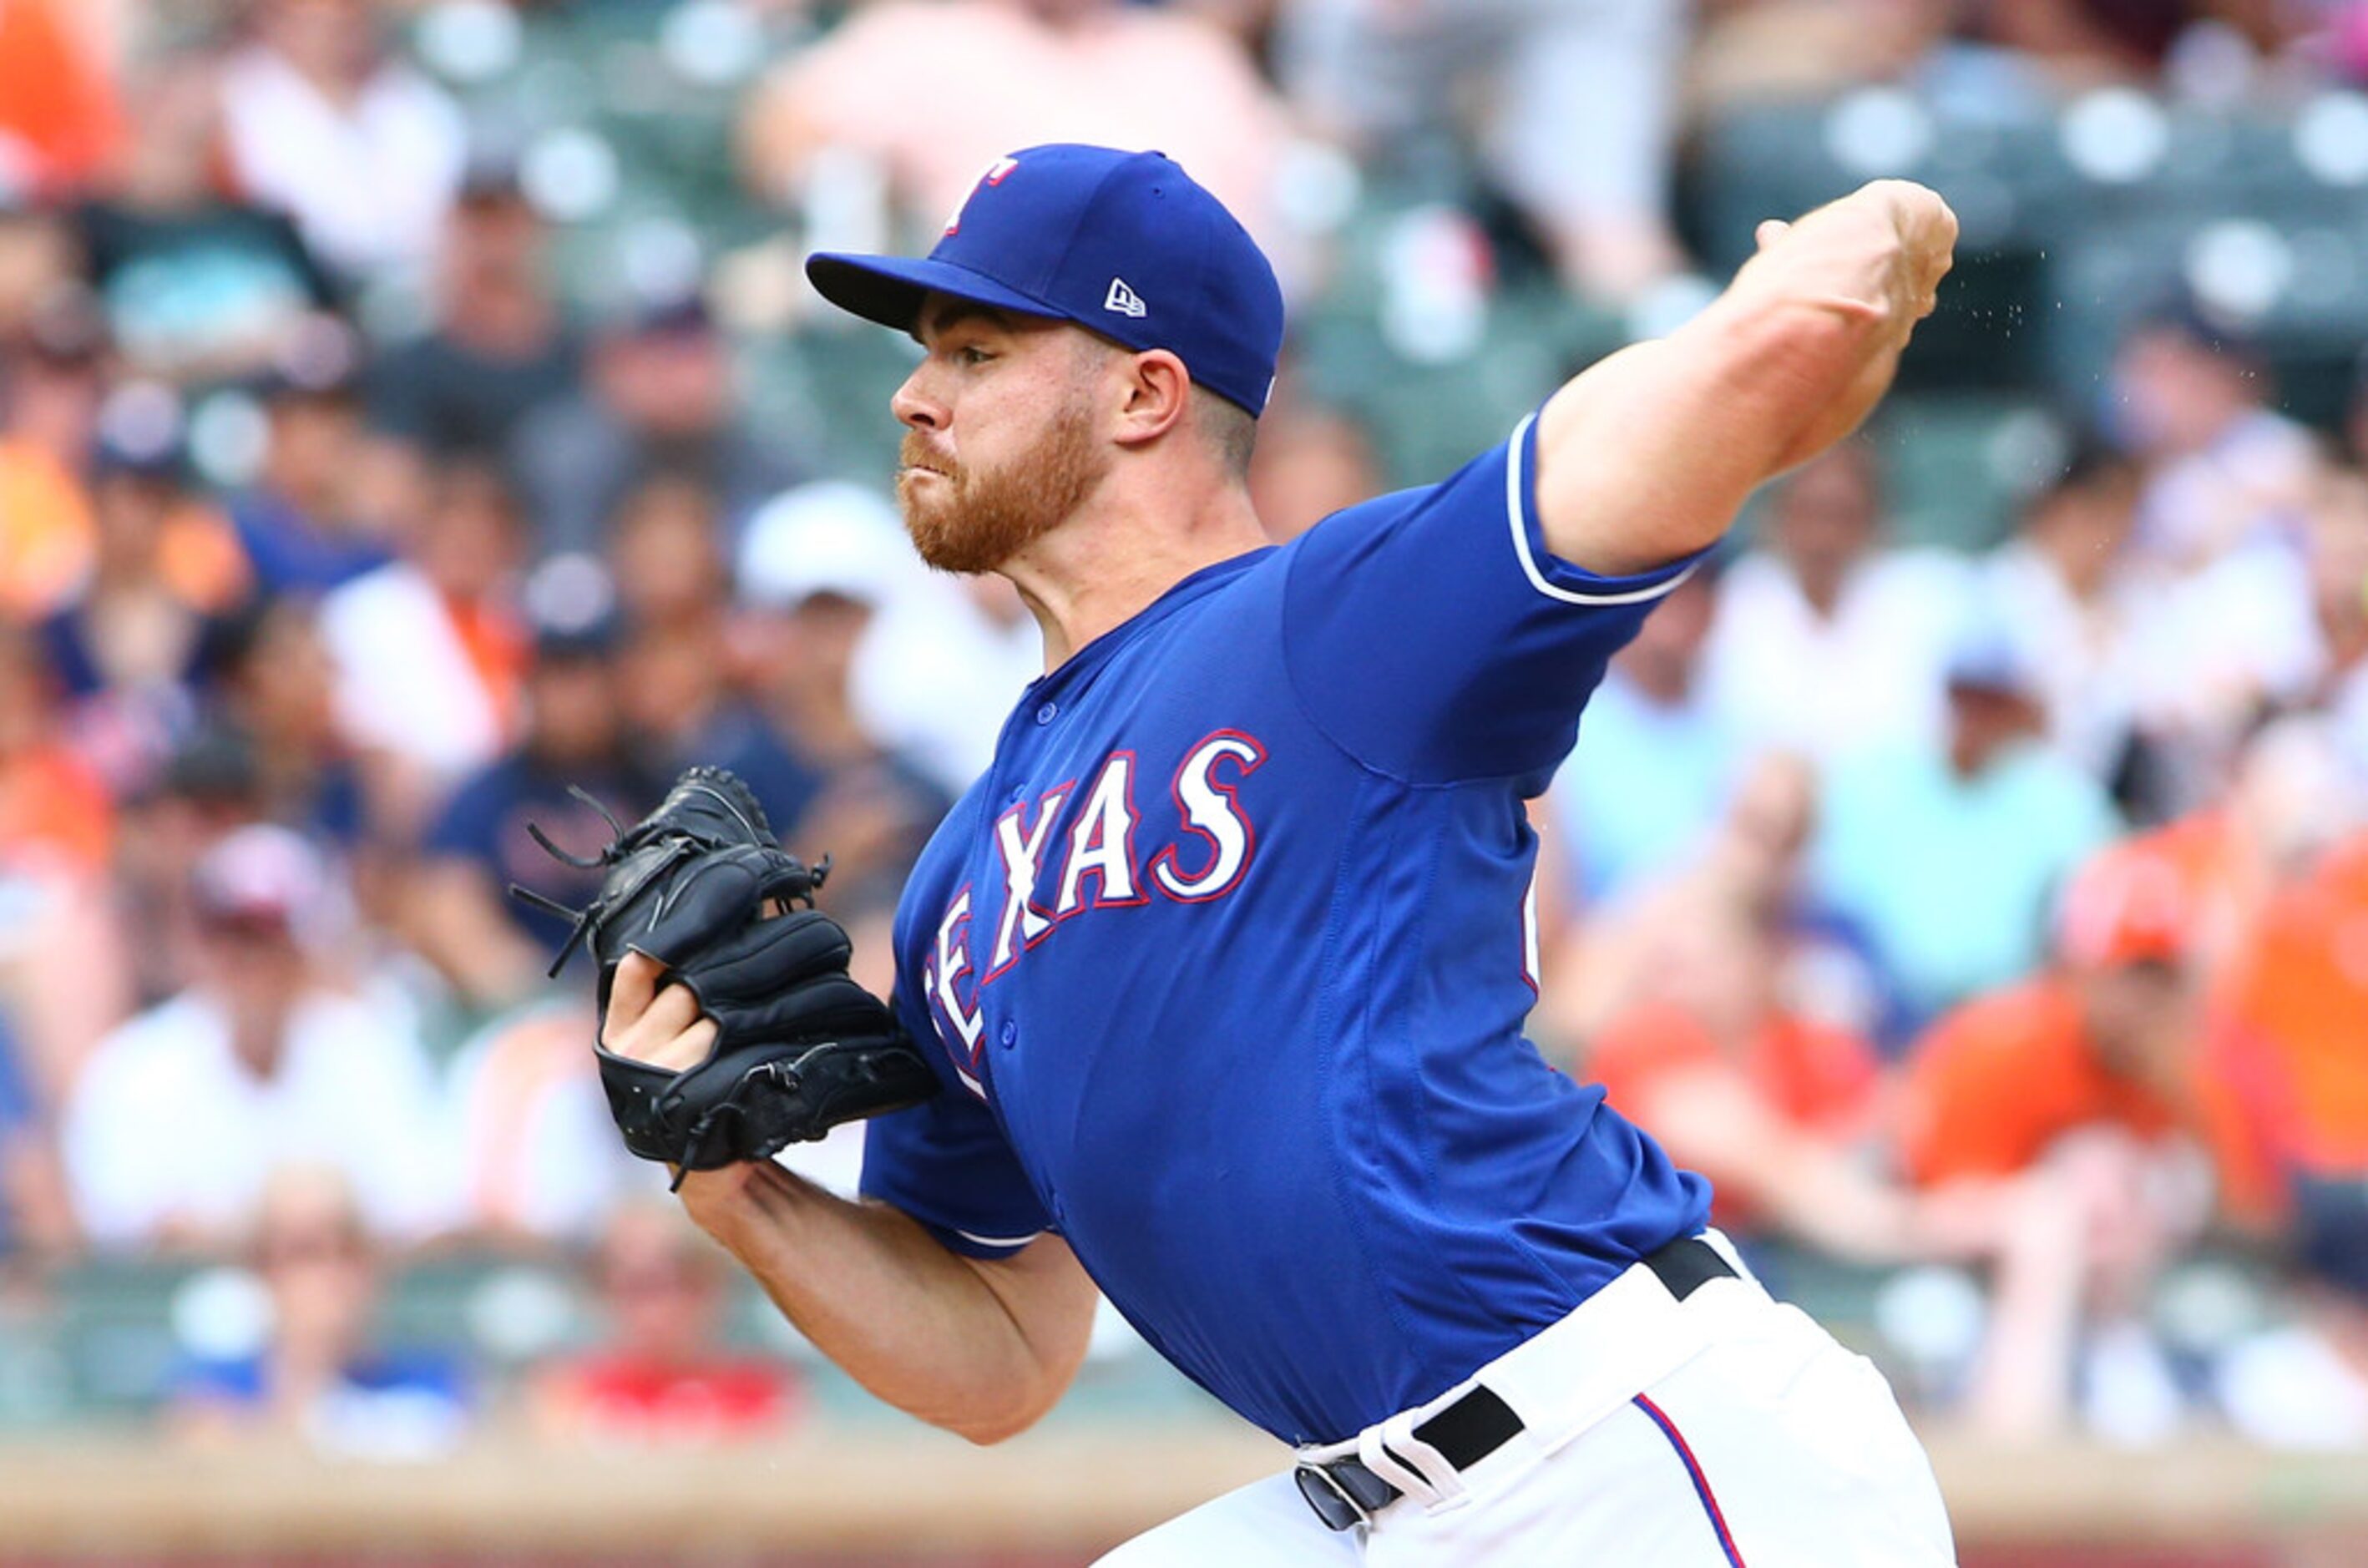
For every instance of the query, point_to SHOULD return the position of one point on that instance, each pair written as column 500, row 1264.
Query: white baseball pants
column 1767, row 1446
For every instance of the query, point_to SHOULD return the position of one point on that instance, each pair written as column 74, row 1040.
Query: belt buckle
column 1329, row 1498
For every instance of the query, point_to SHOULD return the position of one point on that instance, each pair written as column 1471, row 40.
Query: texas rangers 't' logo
column 993, row 177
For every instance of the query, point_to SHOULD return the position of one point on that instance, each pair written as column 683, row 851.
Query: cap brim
column 890, row 288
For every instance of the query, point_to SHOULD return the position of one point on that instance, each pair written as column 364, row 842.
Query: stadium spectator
column 500, row 346
column 306, row 523
column 658, row 398
column 197, row 288
column 2087, row 1077
column 1383, row 75
column 537, row 1150
column 2287, row 1033
column 1947, row 855
column 940, row 663
column 917, row 99
column 268, row 1059
column 276, row 705
column 2338, row 623
column 681, row 698
column 493, row 948
column 1704, row 933
column 1825, row 642
column 2191, row 399
column 2067, row 599
column 60, row 114
column 661, row 1377
column 127, row 651
column 321, row 123
column 52, row 380
column 54, row 809
column 321, row 1377
column 1656, row 764
column 430, row 651
column 872, row 807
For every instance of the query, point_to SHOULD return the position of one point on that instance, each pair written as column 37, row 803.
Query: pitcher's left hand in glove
column 799, row 1046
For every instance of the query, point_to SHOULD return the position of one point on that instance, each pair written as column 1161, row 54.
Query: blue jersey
column 1226, row 958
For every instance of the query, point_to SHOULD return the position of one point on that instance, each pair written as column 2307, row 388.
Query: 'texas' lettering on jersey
column 1070, row 850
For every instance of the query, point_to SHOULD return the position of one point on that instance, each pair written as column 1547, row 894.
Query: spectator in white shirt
column 182, row 1113
column 2067, row 594
column 2222, row 469
column 364, row 155
column 1824, row 642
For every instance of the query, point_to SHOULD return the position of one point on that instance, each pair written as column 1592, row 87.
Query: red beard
column 972, row 521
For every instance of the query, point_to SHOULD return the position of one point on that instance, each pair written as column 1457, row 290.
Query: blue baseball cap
column 1124, row 244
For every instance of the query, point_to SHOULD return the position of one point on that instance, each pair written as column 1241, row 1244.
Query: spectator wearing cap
column 1947, row 855
column 322, row 1376
column 181, row 1115
column 938, row 663
column 51, row 380
column 304, row 521
column 197, row 287
column 430, row 648
column 658, row 398
column 323, row 124
column 811, row 610
column 499, row 346
column 2088, row 1078
column 494, row 949
column 1826, row 642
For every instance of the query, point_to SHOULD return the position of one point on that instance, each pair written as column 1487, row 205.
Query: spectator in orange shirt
column 2083, row 1080
column 50, row 389
column 53, row 810
column 660, row 1380
column 59, row 111
column 2290, row 1038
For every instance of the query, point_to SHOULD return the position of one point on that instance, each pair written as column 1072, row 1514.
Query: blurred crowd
column 1990, row 923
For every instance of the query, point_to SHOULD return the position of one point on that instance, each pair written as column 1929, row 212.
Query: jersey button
column 1047, row 713
column 1010, row 1033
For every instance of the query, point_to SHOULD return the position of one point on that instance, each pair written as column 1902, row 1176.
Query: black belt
column 1345, row 1494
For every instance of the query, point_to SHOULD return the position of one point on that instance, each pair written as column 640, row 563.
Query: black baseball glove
column 799, row 1048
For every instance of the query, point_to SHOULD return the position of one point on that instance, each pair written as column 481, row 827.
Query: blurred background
column 409, row 410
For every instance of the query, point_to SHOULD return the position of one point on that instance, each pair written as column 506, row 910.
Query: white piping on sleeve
column 1517, row 511
column 998, row 1241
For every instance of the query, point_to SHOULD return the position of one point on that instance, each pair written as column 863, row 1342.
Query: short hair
column 1232, row 428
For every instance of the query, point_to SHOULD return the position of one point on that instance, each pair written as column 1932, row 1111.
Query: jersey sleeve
column 945, row 1162
column 1432, row 636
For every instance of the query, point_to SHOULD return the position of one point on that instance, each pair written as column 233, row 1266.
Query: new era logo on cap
column 1123, row 300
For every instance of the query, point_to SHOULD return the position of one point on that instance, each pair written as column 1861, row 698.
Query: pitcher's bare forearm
column 979, row 1346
